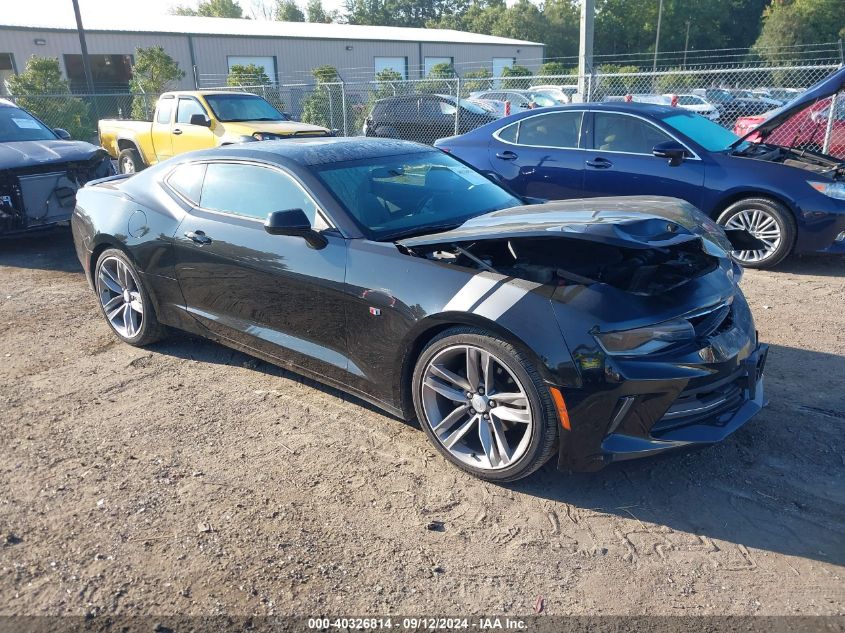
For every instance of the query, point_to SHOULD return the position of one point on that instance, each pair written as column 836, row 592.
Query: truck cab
column 185, row 121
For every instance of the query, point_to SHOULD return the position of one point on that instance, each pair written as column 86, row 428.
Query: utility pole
column 86, row 64
column 657, row 38
column 686, row 44
column 585, row 49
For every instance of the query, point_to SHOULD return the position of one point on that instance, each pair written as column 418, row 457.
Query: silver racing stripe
column 489, row 295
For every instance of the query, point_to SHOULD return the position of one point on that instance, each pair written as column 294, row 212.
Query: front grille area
column 715, row 403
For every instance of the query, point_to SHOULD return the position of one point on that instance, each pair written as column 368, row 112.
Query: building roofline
column 233, row 27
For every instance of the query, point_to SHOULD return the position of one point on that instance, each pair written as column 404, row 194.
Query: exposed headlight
column 264, row 136
column 645, row 340
column 831, row 189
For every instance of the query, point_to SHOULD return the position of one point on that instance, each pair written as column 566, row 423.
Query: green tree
column 41, row 90
column 324, row 106
column 440, row 79
column 289, row 11
column 516, row 77
column 154, row 72
column 556, row 69
column 212, row 9
column 796, row 22
column 247, row 75
column 316, row 12
column 476, row 80
column 413, row 13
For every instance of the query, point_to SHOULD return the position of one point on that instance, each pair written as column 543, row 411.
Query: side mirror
column 200, row 119
column 671, row 150
column 295, row 223
column 62, row 133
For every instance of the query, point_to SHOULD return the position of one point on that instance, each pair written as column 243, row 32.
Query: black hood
column 821, row 90
column 21, row 154
column 631, row 222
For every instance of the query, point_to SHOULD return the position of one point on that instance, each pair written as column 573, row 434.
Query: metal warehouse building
column 206, row 48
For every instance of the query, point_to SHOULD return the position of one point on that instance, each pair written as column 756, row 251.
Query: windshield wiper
column 420, row 230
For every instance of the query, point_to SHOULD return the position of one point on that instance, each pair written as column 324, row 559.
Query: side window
column 508, row 133
column 187, row 108
column 560, row 129
column 253, row 192
column 447, row 108
column 165, row 108
column 429, row 108
column 622, row 133
column 187, row 180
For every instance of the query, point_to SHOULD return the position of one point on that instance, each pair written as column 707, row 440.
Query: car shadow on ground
column 46, row 250
column 821, row 265
column 776, row 484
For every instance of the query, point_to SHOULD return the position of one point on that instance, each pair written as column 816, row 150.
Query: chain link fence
column 736, row 97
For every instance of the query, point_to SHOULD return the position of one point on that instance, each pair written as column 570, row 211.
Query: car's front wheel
column 124, row 300
column 483, row 405
column 767, row 220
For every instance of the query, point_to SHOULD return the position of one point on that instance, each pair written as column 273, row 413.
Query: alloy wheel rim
column 127, row 166
column 476, row 407
column 761, row 225
column 120, row 296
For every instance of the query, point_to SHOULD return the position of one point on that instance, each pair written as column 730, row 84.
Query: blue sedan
column 792, row 200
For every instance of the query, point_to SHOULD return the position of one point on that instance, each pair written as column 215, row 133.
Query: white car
column 696, row 103
column 559, row 92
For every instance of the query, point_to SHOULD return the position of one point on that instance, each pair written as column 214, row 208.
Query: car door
column 436, row 120
column 621, row 162
column 272, row 293
column 160, row 130
column 541, row 155
column 187, row 137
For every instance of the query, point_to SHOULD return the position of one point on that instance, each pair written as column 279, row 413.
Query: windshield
column 467, row 105
column 711, row 136
column 19, row 125
column 240, row 107
column 399, row 196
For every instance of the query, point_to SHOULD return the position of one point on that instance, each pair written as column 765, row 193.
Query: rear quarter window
column 187, row 179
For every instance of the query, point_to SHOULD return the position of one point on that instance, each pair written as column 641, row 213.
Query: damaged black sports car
column 41, row 170
column 600, row 329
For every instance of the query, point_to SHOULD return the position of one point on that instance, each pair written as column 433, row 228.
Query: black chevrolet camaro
column 600, row 329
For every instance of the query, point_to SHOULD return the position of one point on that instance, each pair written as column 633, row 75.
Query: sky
column 127, row 8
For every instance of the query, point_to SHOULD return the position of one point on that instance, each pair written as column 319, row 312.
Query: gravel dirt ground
column 191, row 479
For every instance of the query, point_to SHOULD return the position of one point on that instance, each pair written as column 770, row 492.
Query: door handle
column 198, row 236
column 599, row 163
column 177, row 131
column 507, row 155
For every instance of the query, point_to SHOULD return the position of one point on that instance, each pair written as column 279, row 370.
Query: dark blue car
column 792, row 200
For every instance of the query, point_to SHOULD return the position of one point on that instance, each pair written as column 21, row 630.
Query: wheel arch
column 426, row 330
column 730, row 197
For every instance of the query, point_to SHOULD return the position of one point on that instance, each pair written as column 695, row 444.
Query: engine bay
column 801, row 158
column 561, row 262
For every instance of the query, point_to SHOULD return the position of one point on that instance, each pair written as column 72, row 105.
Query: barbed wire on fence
column 348, row 106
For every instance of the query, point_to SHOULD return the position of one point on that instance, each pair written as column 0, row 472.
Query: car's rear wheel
column 483, row 405
column 124, row 300
column 767, row 220
column 129, row 161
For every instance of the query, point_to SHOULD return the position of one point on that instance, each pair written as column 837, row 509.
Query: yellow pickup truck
column 197, row 119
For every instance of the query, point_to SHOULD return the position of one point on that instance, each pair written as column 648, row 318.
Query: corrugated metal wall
column 295, row 57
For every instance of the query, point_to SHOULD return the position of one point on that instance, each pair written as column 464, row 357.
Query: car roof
column 314, row 151
column 635, row 107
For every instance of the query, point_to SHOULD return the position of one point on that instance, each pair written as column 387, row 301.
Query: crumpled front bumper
column 646, row 417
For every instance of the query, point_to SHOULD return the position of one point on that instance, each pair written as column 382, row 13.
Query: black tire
column 783, row 218
column 129, row 161
column 544, row 428
column 150, row 330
